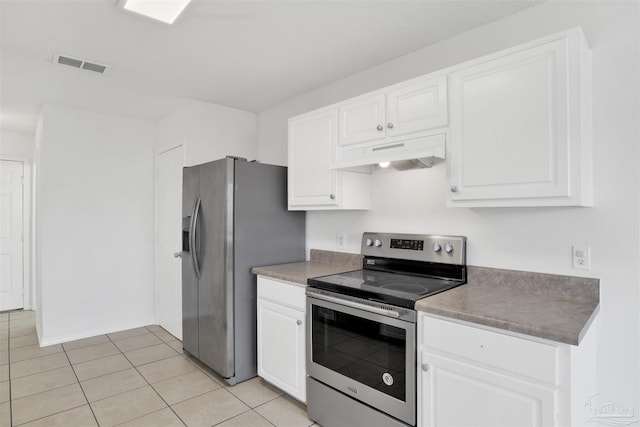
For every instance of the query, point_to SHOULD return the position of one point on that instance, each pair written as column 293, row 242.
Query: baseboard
column 47, row 341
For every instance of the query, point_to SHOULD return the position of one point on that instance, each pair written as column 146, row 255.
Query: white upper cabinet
column 514, row 126
column 417, row 107
column 362, row 120
column 520, row 126
column 312, row 185
column 395, row 123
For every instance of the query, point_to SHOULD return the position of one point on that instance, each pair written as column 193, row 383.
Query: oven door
column 365, row 354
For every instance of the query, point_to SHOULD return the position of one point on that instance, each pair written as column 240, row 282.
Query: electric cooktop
column 400, row 269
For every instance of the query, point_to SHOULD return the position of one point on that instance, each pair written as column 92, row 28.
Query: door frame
column 157, row 152
column 28, row 230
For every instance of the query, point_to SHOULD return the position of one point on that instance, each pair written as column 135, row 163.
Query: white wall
column 209, row 131
column 37, row 229
column 534, row 239
column 94, row 224
column 94, row 227
column 17, row 144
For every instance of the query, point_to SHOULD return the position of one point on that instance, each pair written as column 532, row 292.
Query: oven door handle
column 353, row 304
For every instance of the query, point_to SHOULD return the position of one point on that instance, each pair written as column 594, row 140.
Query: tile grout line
column 9, row 364
column 98, row 358
column 80, row 385
column 223, row 386
column 249, row 410
column 34, row 394
column 10, row 392
column 200, row 369
column 184, row 356
column 147, row 381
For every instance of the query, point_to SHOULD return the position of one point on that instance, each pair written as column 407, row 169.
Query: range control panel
column 417, row 247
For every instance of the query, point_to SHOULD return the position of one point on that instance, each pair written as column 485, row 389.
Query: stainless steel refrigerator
column 234, row 217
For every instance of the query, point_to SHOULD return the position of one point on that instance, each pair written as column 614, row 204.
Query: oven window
column 370, row 352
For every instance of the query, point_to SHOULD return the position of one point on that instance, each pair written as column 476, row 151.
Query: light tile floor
column 139, row 377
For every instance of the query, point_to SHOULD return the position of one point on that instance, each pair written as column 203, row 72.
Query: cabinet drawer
column 285, row 293
column 504, row 352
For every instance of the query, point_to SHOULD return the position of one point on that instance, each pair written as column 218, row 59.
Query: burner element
column 406, row 288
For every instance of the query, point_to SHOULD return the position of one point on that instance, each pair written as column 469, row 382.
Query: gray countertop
column 554, row 307
column 322, row 263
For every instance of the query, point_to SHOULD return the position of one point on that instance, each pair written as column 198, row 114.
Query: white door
column 11, row 232
column 168, row 224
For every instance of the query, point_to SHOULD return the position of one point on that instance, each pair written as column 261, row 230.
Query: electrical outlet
column 581, row 257
column 341, row 240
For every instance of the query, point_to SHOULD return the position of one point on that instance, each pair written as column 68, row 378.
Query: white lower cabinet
column 281, row 335
column 459, row 393
column 469, row 375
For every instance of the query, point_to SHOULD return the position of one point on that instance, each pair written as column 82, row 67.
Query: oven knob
column 448, row 248
column 368, row 242
column 377, row 243
column 436, row 247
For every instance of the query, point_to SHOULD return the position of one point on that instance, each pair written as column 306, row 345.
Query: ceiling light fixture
column 162, row 10
column 384, row 164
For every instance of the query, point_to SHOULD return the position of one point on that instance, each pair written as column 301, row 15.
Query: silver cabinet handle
column 192, row 236
column 177, row 254
column 390, row 125
column 332, row 196
column 379, row 128
column 425, row 367
column 298, row 322
column 454, row 189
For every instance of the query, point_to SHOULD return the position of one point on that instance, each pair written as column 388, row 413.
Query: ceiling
column 242, row 54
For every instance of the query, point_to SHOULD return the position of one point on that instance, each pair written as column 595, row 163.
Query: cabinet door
column 312, row 138
column 515, row 129
column 417, row 107
column 456, row 393
column 362, row 120
column 281, row 348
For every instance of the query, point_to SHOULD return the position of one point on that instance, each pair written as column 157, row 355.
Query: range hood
column 416, row 153
column 421, row 163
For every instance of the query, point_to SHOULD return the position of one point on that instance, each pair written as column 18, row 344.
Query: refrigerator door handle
column 192, row 237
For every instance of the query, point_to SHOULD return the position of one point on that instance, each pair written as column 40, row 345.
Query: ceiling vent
column 80, row 63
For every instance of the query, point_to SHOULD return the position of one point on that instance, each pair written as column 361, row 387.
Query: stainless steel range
column 361, row 328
